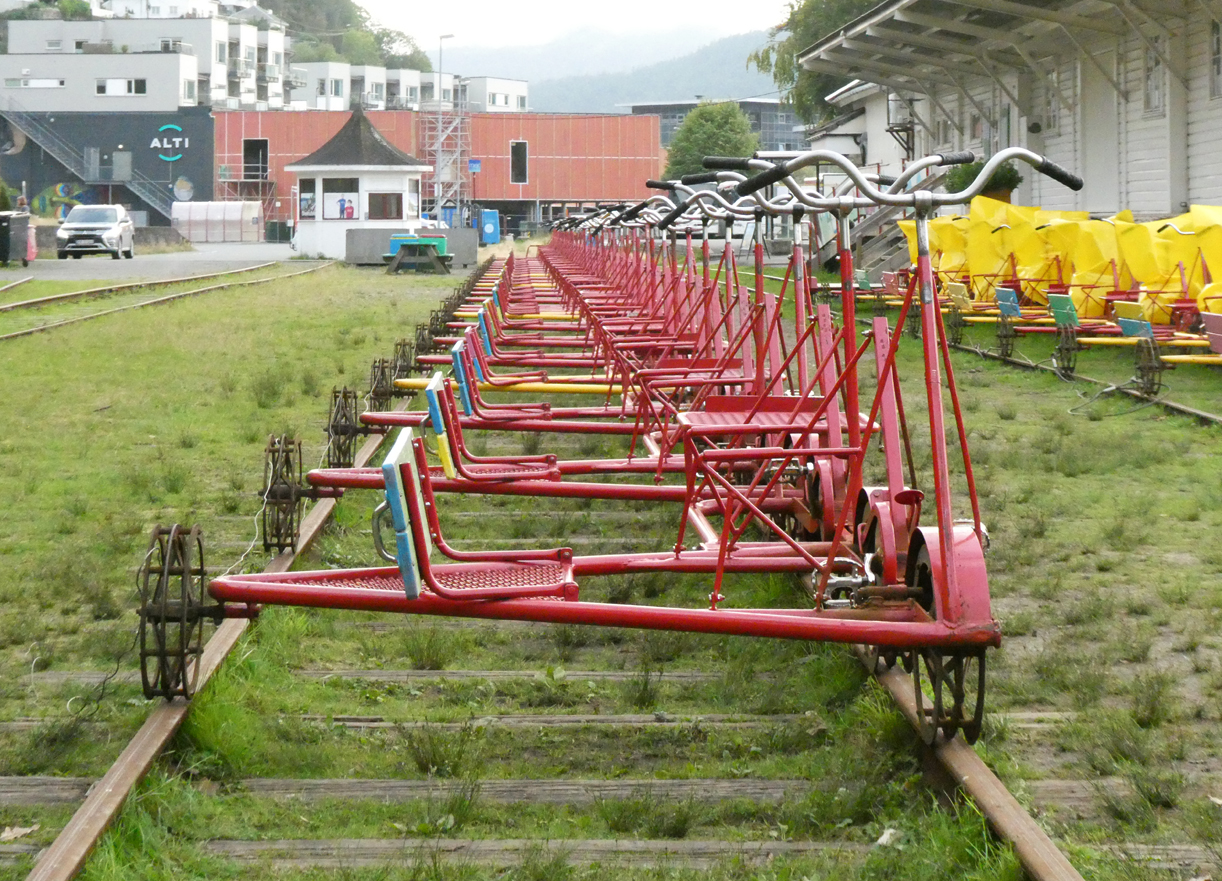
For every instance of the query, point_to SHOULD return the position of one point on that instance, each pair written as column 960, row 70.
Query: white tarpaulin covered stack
column 219, row 221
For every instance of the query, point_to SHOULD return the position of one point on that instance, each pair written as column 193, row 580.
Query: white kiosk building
column 357, row 180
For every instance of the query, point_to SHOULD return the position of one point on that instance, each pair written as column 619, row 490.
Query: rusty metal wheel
column 172, row 586
column 404, row 360
column 1065, row 355
column 381, row 385
column 912, row 323
column 955, row 325
column 283, row 493
column 1149, row 366
column 1006, row 335
column 343, row 428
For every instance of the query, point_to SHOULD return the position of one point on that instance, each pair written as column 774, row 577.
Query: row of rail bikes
column 748, row 410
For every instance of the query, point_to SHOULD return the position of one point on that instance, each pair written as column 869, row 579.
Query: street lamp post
column 440, row 135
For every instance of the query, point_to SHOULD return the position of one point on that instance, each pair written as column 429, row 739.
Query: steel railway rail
column 66, row 856
column 168, row 298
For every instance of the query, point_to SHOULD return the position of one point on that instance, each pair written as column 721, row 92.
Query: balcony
column 269, row 73
column 295, row 77
column 397, row 102
column 239, row 68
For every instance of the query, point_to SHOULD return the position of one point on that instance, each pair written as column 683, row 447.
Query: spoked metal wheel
column 948, row 685
column 1065, row 355
column 343, row 427
column 404, row 359
column 282, row 493
column 912, row 322
column 381, row 385
column 955, row 325
column 1006, row 335
column 1149, row 365
column 172, row 588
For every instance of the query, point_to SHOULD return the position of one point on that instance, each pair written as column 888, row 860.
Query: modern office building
column 773, row 121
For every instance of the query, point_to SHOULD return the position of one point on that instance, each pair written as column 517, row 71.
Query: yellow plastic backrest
column 1128, row 309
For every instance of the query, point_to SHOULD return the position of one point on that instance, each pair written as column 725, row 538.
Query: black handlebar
column 963, row 157
column 1059, row 174
column 727, row 163
column 674, row 215
column 704, row 177
column 660, row 185
column 763, row 179
column 633, row 212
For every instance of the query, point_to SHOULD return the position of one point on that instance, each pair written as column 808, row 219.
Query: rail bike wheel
column 381, row 385
column 1065, row 355
column 912, row 322
column 955, row 325
column 948, row 685
column 343, row 428
column 1149, row 367
column 423, row 340
column 282, row 493
column 172, row 586
column 404, row 360
column 879, row 305
column 1006, row 335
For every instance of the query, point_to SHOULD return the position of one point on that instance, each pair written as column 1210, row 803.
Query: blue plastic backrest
column 485, row 339
column 1134, row 327
column 460, row 375
column 430, row 393
column 1007, row 302
column 396, row 497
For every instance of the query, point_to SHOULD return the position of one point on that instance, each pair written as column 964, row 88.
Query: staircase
column 880, row 246
column 36, row 128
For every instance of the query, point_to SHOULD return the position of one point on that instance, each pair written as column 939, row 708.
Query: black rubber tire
column 62, row 255
column 130, row 252
column 114, row 255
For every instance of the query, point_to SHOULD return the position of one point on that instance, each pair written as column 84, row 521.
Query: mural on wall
column 58, row 199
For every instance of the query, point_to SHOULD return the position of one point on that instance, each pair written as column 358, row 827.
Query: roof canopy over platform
column 924, row 46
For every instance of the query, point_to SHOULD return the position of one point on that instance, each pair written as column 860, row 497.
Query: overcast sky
column 529, row 22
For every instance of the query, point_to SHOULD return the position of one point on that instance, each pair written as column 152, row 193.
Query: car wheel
column 62, row 255
column 114, row 255
column 131, row 250
column 76, row 256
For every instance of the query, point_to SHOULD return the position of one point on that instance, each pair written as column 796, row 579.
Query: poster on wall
column 306, row 209
column 338, row 206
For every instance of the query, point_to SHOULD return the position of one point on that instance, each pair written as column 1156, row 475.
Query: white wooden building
column 357, row 180
column 1127, row 93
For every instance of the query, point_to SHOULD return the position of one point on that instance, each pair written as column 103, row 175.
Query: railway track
column 1038, row 854
column 27, row 307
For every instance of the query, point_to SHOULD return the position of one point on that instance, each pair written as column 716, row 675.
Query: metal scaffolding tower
column 447, row 147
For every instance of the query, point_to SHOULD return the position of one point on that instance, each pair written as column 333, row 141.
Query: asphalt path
column 205, row 258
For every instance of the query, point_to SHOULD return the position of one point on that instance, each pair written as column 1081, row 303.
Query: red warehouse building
column 532, row 167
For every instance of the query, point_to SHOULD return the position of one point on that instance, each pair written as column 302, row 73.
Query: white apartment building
column 403, row 89
column 367, row 85
column 237, row 64
column 157, row 8
column 487, row 94
column 328, row 85
column 108, row 83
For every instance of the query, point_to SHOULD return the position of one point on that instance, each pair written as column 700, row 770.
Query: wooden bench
column 418, row 256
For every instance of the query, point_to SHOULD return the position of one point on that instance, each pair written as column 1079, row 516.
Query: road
column 206, row 258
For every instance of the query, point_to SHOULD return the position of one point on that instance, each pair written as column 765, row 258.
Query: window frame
column 1154, row 79
column 387, row 202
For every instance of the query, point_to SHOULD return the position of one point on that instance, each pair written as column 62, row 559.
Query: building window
column 1004, row 130
column 337, row 88
column 305, row 198
column 521, row 102
column 188, row 90
column 54, row 45
column 445, row 94
column 413, row 197
column 18, row 83
column 518, row 163
column 173, row 10
column 277, row 58
column 1215, row 60
column 339, row 198
column 222, row 52
column 154, row 10
column 121, row 87
column 413, row 94
column 1156, row 78
column 1052, row 102
column 385, row 206
column 79, row 46
column 975, row 128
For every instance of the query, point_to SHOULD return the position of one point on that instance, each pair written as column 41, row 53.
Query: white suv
column 96, row 229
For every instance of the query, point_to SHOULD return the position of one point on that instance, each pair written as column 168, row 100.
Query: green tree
column 360, row 47
column 809, row 22
column 720, row 129
column 75, row 10
column 307, row 51
column 400, row 51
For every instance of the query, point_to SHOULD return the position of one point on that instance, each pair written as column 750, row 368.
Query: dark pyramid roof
column 358, row 143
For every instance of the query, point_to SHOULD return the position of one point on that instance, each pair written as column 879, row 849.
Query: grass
column 1103, row 571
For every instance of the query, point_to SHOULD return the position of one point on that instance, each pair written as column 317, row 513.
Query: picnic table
column 420, row 256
